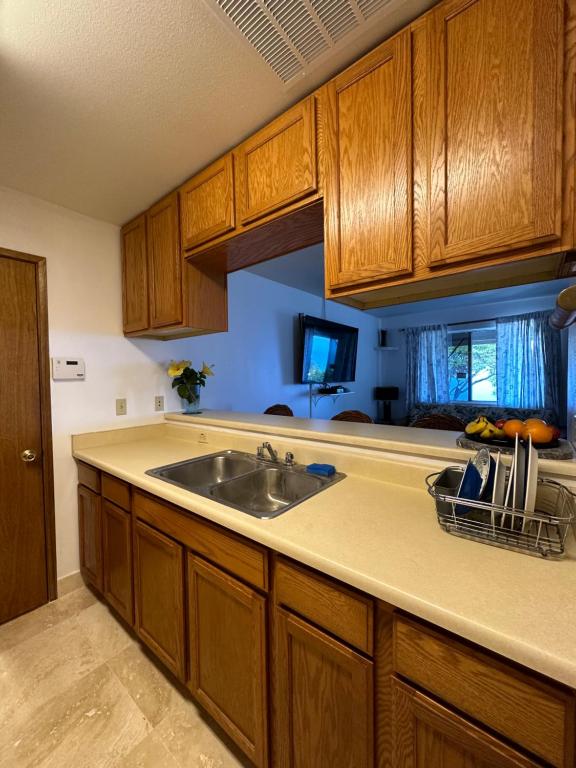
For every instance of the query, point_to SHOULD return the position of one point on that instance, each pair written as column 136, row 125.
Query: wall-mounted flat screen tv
column 328, row 351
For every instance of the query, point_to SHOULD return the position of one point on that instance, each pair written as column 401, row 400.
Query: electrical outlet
column 159, row 403
column 203, row 438
column 121, row 409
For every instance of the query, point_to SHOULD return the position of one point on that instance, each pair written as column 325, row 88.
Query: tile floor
column 78, row 691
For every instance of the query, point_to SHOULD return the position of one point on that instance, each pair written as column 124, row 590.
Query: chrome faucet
column 267, row 447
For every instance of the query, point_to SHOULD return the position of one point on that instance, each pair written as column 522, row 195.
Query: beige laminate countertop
column 431, row 443
column 377, row 531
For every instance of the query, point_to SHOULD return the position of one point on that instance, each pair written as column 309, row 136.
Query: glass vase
column 192, row 403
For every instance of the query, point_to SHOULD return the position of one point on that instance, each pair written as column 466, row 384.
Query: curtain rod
column 572, row 298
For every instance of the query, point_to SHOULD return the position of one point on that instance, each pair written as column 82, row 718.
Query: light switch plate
column 121, row 409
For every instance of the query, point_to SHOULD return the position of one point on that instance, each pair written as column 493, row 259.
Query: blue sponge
column 321, row 469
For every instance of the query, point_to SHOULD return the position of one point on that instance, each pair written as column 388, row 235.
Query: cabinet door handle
column 28, row 455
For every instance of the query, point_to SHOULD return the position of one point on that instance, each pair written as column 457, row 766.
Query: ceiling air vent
column 292, row 36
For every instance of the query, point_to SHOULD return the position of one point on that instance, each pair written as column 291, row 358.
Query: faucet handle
column 289, row 459
column 260, row 452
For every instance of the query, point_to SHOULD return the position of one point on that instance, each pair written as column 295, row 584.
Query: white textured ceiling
column 105, row 105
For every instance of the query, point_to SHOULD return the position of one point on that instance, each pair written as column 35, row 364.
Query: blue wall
column 254, row 361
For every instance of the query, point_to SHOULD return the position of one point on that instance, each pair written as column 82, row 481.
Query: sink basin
column 269, row 491
column 206, row 470
column 245, row 482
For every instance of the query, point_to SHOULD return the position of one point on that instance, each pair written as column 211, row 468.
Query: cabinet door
column 277, row 166
column 368, row 152
column 228, row 655
column 324, row 706
column 496, row 117
column 164, row 263
column 207, row 204
column 427, row 735
column 159, row 595
column 90, row 528
column 135, row 276
column 117, row 567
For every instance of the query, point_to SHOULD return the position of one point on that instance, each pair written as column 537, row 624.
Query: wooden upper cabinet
column 164, row 263
column 278, row 165
column 495, row 112
column 207, row 203
column 135, row 275
column 429, row 735
column 368, row 156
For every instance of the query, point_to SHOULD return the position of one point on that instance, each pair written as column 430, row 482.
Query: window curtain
column 426, row 365
column 528, row 362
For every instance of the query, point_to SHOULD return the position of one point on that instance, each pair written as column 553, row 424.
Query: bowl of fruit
column 503, row 432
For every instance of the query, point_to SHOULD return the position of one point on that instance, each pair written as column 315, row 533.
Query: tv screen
column 328, row 351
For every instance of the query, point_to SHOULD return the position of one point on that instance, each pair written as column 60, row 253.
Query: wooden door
column 324, row 699
column 207, row 204
column 159, row 595
column 117, row 559
column 277, row 166
column 428, row 735
column 90, row 529
column 164, row 263
column 23, row 549
column 135, row 276
column 368, row 152
column 496, row 126
column 228, row 655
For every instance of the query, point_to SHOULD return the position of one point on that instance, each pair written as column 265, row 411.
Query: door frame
column 39, row 263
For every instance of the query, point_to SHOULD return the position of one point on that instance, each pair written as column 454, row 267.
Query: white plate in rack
column 531, row 477
column 499, row 489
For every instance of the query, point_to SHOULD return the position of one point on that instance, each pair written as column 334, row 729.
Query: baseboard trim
column 69, row 583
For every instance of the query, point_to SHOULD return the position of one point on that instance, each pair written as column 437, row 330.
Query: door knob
column 28, row 455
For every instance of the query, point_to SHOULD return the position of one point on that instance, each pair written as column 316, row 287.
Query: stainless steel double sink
column 250, row 484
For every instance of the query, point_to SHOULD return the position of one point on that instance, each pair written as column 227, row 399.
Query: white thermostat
column 68, row 368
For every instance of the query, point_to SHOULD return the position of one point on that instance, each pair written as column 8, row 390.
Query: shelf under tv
column 316, row 396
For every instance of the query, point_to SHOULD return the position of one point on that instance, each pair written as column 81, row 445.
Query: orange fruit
column 513, row 427
column 530, row 422
column 540, row 431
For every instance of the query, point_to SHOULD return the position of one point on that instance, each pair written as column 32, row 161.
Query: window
column 472, row 363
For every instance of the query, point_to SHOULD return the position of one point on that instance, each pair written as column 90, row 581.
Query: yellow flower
column 175, row 369
column 207, row 369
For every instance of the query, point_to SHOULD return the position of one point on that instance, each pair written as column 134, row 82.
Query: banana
column 492, row 433
column 479, row 424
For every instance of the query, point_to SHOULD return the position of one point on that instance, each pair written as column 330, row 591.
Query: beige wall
column 84, row 308
column 254, row 361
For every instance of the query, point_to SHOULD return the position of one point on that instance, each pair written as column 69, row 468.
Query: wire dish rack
column 542, row 532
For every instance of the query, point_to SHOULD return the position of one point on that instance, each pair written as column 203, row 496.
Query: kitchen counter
column 377, row 531
column 432, row 443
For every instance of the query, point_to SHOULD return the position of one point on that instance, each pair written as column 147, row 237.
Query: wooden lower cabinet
column 429, row 735
column 353, row 683
column 159, row 595
column 117, row 558
column 90, row 531
column 227, row 644
column 324, row 699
